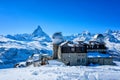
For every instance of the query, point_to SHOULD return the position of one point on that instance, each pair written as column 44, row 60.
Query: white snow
column 71, row 45
column 97, row 54
column 57, row 71
column 39, row 40
column 2, row 38
column 113, row 46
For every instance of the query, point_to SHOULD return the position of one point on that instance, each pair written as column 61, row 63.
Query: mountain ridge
column 19, row 47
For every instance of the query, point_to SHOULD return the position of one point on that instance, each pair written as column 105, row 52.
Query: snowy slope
column 18, row 47
column 84, row 36
column 58, row 71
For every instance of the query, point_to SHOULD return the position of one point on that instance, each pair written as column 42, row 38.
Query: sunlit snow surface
column 58, row 71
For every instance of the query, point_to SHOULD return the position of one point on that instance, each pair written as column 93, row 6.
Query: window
column 82, row 49
column 97, row 46
column 78, row 60
column 83, row 60
column 73, row 49
column 66, row 50
column 87, row 46
column 78, row 49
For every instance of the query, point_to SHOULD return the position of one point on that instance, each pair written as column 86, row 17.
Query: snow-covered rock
column 19, row 47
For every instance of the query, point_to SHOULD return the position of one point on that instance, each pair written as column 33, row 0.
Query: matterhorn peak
column 39, row 28
column 37, row 32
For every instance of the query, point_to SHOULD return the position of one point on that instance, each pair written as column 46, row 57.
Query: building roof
column 71, row 44
column 97, row 54
column 63, row 43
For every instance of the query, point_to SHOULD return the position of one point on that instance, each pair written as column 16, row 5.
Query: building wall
column 96, row 50
column 59, row 52
column 100, row 60
column 108, row 61
column 55, row 51
column 74, row 58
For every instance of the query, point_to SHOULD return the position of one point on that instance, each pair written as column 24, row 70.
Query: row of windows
column 96, row 47
column 80, row 49
column 81, row 60
column 74, row 50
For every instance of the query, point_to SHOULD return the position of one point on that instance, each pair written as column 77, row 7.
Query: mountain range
column 18, row 47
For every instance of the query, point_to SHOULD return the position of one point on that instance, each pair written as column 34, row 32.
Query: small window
column 87, row 46
column 97, row 46
column 92, row 46
column 83, row 60
column 73, row 49
column 78, row 60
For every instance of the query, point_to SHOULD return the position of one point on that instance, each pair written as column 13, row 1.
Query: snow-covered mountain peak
column 38, row 32
column 85, row 33
column 109, row 31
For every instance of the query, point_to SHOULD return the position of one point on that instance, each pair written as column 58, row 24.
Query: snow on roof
column 63, row 43
column 97, row 54
column 70, row 45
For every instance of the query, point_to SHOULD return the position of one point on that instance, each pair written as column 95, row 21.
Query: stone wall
column 101, row 60
column 55, row 51
column 74, row 58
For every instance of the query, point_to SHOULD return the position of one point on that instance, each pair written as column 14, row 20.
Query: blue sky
column 67, row 16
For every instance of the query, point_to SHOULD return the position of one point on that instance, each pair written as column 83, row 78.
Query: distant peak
column 38, row 31
column 109, row 31
column 39, row 28
column 85, row 33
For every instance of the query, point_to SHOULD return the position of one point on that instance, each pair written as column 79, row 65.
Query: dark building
column 81, row 53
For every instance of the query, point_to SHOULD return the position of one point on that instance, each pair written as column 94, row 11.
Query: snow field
column 58, row 71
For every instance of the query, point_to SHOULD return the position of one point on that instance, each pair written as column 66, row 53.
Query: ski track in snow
column 58, row 71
